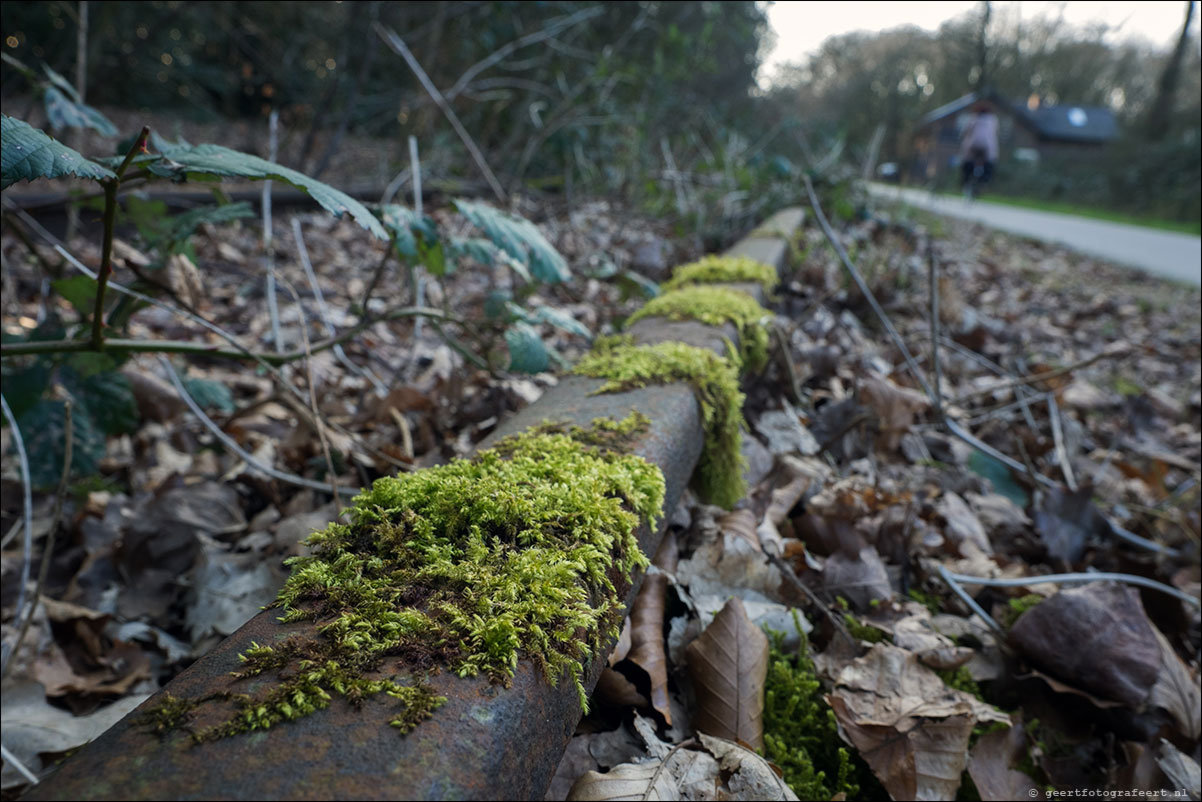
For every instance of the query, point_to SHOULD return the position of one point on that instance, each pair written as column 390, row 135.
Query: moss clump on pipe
column 715, row 306
column 469, row 565
column 717, row 269
column 715, row 381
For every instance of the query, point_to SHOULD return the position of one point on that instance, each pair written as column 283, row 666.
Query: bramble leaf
column 527, row 354
column 519, row 238
column 28, row 154
column 216, row 161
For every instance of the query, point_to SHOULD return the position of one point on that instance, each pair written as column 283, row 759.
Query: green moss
column 715, row 306
column 801, row 735
column 961, row 680
column 864, row 632
column 168, row 715
column 1016, row 607
column 716, row 269
column 515, row 551
column 715, row 382
column 926, row 600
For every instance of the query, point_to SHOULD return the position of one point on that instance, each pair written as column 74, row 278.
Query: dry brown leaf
column 909, row 726
column 1181, row 769
column 896, row 407
column 991, row 766
column 924, row 762
column 1176, row 690
column 622, row 647
column 740, row 523
column 859, row 579
column 728, row 665
column 751, row 777
column 617, row 691
column 1113, row 650
column 650, row 781
column 647, row 626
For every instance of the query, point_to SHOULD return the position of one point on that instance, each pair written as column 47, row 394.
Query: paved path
column 1165, row 253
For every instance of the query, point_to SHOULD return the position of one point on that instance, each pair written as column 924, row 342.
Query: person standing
column 978, row 146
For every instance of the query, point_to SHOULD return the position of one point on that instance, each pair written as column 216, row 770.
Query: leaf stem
column 106, row 252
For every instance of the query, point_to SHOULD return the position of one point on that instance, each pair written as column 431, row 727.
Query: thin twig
column 859, row 280
column 419, row 283
column 933, row 282
column 273, row 306
column 1058, row 442
column 13, row 761
column 233, row 446
column 242, row 352
column 27, row 503
column 48, row 549
column 398, row 45
column 952, row 425
column 324, row 313
column 319, row 426
column 1045, row 376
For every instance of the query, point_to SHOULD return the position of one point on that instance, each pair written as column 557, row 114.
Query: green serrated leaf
column 44, row 429
column 79, row 291
column 435, row 259
column 475, row 248
column 23, row 387
column 105, row 398
column 210, row 394
column 519, row 238
column 89, row 363
column 63, row 112
column 560, row 319
column 527, row 354
column 184, row 226
column 496, row 303
column 406, row 227
column 221, row 162
column 57, row 80
column 27, row 154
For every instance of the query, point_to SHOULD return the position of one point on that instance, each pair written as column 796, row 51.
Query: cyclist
column 978, row 148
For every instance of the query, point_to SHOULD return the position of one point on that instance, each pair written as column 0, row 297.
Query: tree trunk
column 1157, row 123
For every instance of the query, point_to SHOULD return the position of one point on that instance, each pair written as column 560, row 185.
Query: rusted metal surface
column 486, row 742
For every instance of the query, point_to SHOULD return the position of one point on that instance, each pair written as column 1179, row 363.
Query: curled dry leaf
column 1176, row 690
column 751, row 777
column 647, row 626
column 648, row 781
column 617, row 691
column 1113, row 652
column 859, row 579
column 895, row 407
column 729, row 665
column 991, row 766
column 909, row 727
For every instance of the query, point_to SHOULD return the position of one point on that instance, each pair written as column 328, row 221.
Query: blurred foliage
column 655, row 102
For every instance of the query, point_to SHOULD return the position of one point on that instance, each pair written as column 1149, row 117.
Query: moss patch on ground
column 467, row 565
column 716, row 306
column 801, row 735
column 719, row 476
column 715, row 269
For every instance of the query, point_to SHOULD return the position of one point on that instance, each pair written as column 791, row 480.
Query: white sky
column 802, row 25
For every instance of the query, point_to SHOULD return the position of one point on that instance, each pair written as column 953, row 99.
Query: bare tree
column 1157, row 121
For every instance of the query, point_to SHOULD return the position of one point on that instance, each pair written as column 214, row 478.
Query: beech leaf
column 729, row 665
column 647, row 626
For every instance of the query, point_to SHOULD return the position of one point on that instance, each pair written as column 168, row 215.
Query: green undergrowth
column 719, row 476
column 801, row 735
column 716, row 306
column 1016, row 607
column 712, row 269
column 513, row 552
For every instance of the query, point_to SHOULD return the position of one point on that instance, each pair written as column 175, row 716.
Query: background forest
column 612, row 97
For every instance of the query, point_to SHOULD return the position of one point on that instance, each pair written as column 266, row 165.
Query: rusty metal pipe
column 486, row 742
